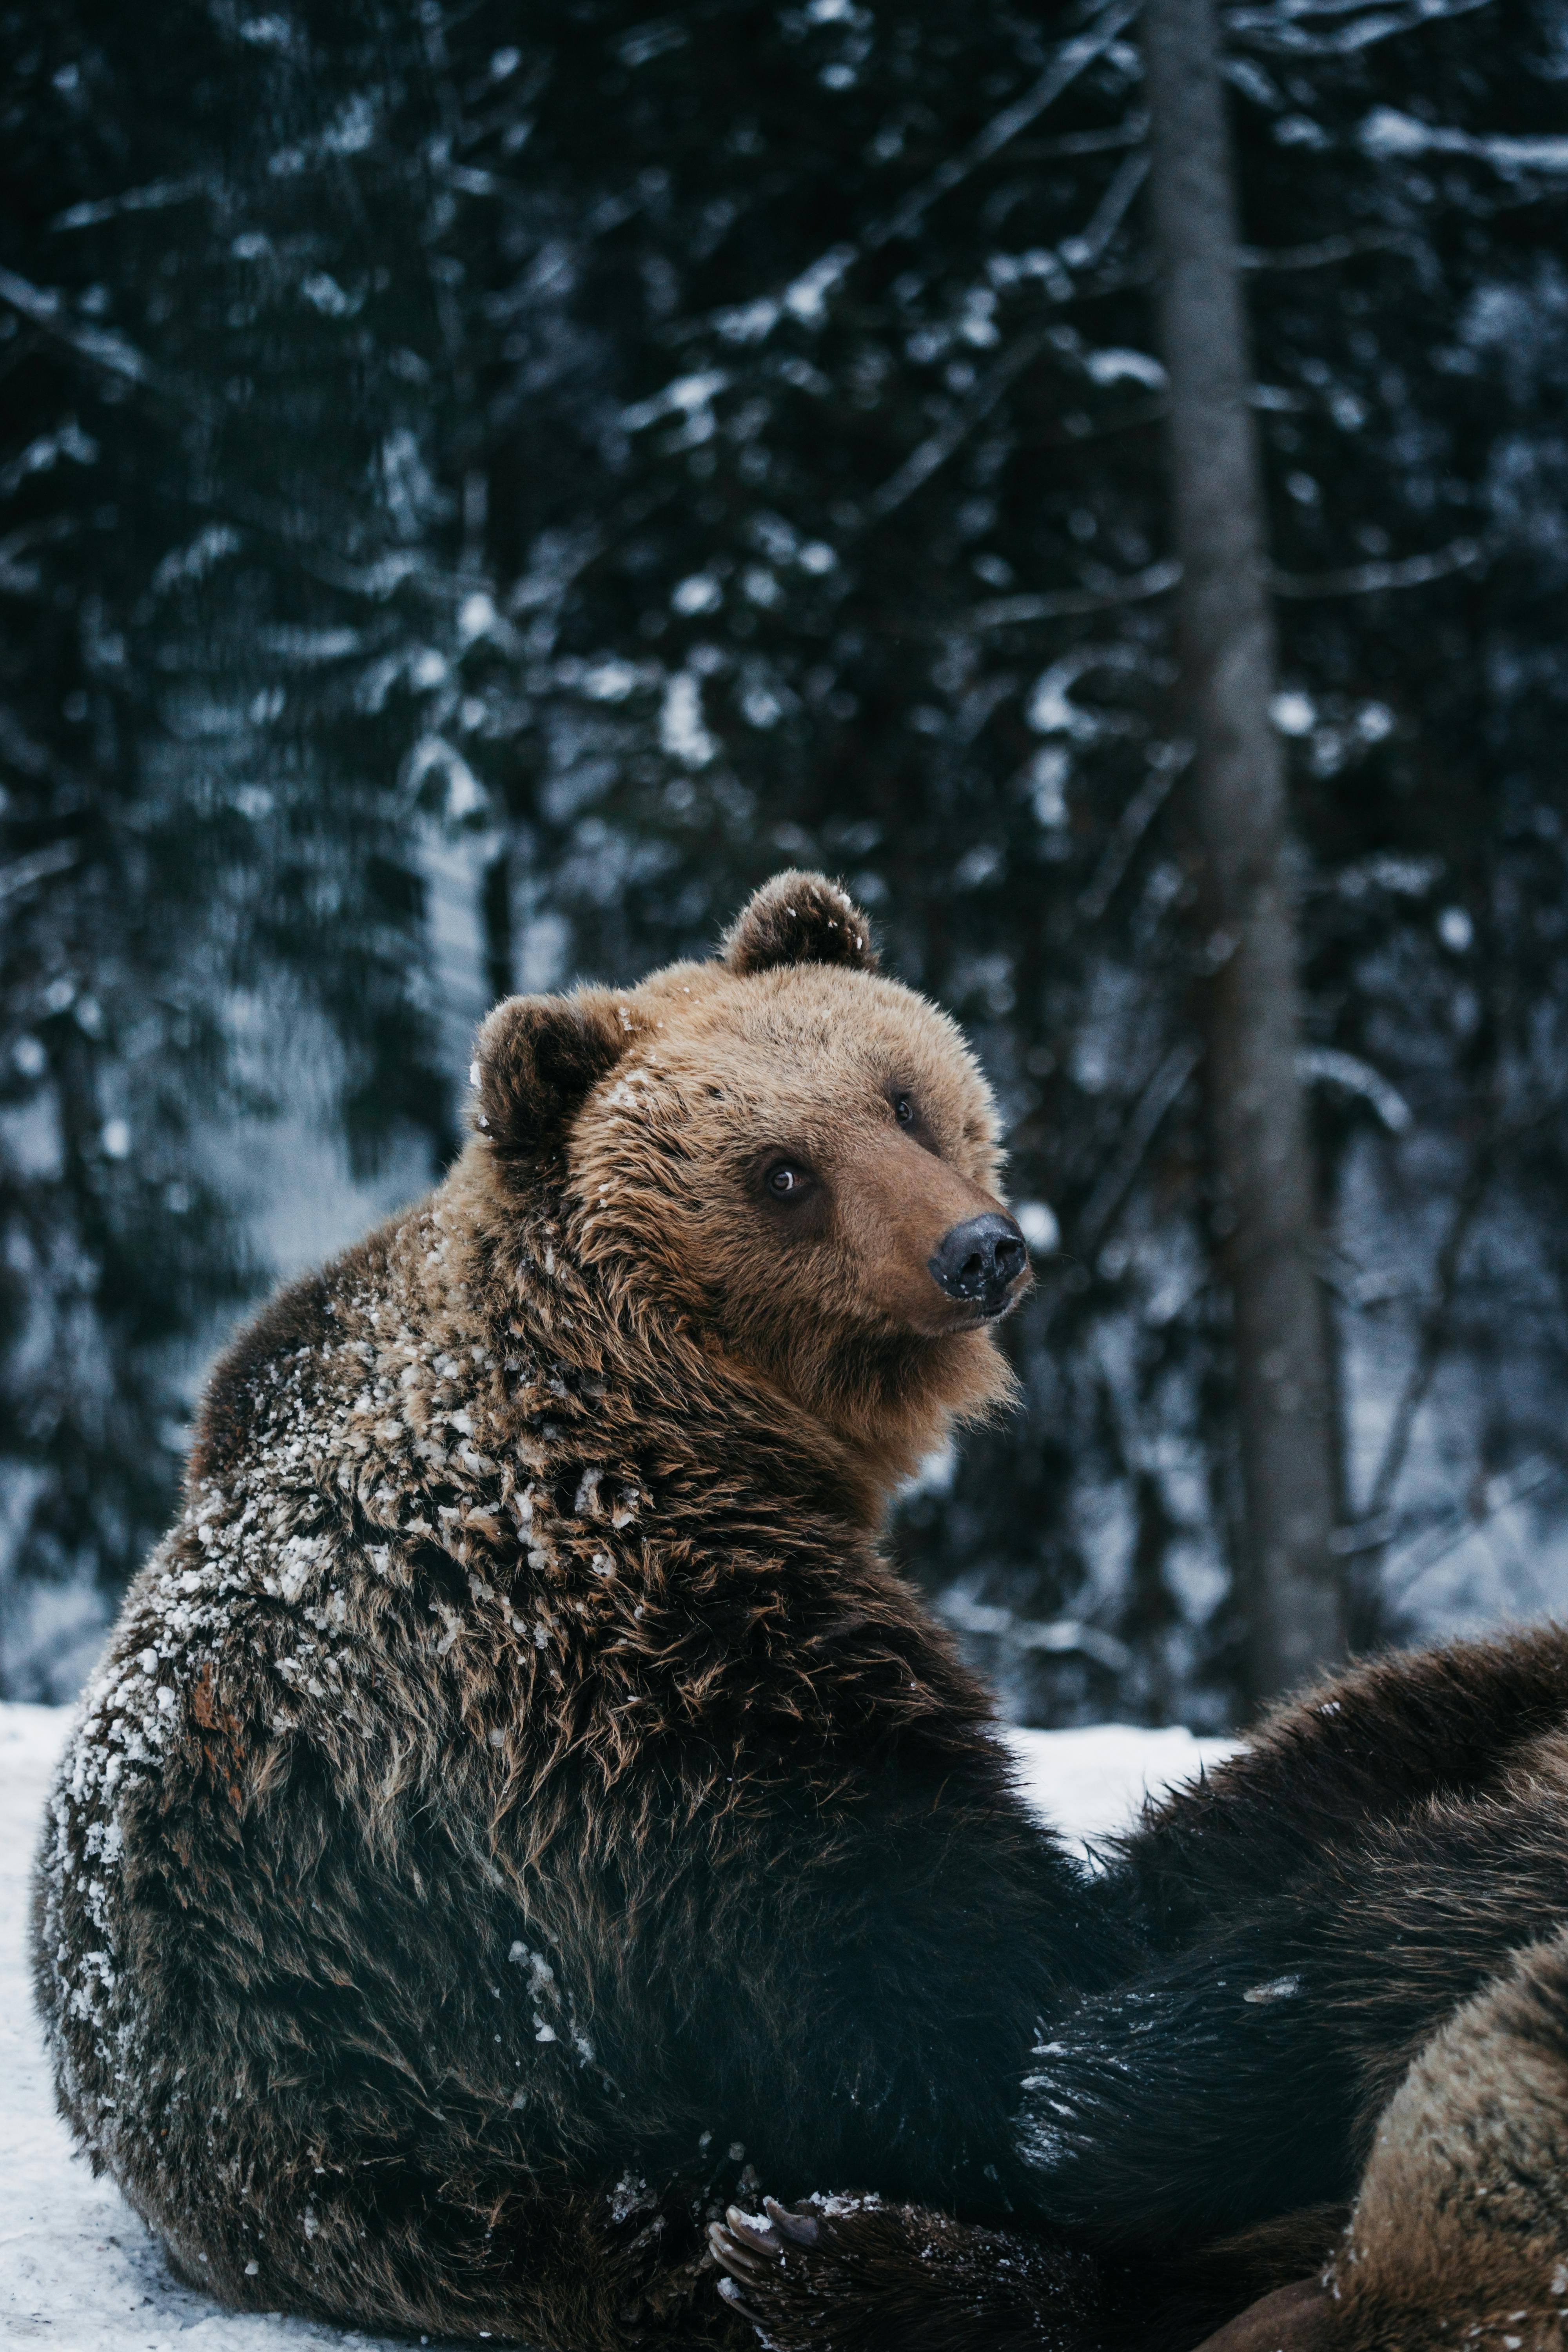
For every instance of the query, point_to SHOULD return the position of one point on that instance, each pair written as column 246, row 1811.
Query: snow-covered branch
column 24, row 873
column 1387, row 133
column 101, row 344
column 1357, row 1077
column 804, row 299
column 154, row 197
column 1005, row 612
column 1285, row 30
column 1372, row 579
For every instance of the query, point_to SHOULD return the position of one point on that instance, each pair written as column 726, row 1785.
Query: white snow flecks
column 1277, row 1988
column 78, row 2269
column 327, row 1419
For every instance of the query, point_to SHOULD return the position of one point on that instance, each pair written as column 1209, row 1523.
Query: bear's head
column 793, row 1154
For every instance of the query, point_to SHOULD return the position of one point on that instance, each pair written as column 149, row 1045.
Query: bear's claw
column 738, row 2303
column 745, row 2246
column 755, row 2246
column 800, row 2229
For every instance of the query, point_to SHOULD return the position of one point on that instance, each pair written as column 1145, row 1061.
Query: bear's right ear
column 798, row 918
column 536, row 1060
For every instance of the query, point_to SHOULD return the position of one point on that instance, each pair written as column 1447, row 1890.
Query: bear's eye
column 786, row 1181
column 904, row 1109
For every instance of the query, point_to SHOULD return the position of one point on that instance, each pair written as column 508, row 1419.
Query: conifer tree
column 582, row 463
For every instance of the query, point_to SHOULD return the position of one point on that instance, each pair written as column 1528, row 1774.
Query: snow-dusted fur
column 520, row 1808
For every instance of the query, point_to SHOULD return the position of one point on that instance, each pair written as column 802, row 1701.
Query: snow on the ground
column 1086, row 1783
column 79, row 2272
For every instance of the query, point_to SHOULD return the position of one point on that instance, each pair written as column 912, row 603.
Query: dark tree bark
column 1265, row 1221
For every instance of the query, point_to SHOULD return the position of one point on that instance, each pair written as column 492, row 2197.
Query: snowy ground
column 77, row 2271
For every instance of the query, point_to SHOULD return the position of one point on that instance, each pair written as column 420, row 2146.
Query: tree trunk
column 1264, row 1220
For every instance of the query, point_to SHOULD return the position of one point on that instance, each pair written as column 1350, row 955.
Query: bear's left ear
column 799, row 918
column 536, row 1060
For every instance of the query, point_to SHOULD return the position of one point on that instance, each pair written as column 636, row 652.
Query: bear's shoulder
column 282, row 1352
column 298, row 1319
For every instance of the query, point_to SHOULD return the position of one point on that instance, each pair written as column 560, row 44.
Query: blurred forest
column 481, row 487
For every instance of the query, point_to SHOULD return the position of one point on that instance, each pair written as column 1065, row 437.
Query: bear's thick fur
column 519, row 1809
column 1356, row 1989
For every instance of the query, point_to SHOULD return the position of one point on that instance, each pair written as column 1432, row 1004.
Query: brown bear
column 1355, row 1988
column 519, row 1809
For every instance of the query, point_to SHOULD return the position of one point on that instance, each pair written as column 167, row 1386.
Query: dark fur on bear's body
column 1356, row 1989
column 520, row 1807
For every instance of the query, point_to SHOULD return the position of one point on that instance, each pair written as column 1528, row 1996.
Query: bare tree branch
column 1131, row 827
column 1003, row 612
column 1434, row 1328
column 1130, row 134
column 1372, row 579
column 939, row 447
column 99, row 344
column 1157, row 580
column 1116, row 1178
column 1281, row 32
column 1055, row 1634
column 1070, row 60
column 1078, row 252
column 1325, row 251
column 1403, row 1574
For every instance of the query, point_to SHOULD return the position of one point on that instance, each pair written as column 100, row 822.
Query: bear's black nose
column 981, row 1259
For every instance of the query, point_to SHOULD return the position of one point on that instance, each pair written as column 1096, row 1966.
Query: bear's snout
column 980, row 1261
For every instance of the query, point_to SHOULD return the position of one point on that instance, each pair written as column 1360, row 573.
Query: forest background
column 481, row 487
